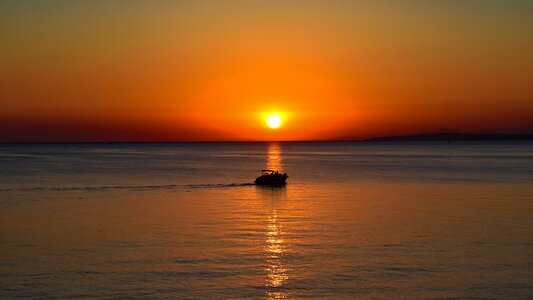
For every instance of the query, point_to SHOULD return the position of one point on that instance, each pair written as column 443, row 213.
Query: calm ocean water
column 181, row 220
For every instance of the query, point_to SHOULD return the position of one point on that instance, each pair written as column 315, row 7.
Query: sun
column 273, row 121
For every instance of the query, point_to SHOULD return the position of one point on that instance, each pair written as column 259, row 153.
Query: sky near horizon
column 215, row 70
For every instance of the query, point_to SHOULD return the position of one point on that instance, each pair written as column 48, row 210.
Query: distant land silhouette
column 449, row 135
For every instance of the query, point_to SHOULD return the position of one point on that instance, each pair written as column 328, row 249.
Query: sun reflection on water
column 275, row 248
column 274, row 157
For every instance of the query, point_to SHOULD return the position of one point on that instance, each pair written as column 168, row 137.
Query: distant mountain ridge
column 449, row 135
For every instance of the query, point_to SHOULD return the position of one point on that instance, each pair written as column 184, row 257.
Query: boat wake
column 219, row 185
column 126, row 187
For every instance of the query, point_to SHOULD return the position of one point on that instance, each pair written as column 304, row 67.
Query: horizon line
column 415, row 137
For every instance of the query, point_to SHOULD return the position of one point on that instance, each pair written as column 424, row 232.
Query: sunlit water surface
column 158, row 221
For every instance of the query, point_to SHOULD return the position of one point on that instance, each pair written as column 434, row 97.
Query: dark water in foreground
column 157, row 221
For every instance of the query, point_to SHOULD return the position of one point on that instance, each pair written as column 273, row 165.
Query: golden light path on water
column 275, row 246
column 274, row 157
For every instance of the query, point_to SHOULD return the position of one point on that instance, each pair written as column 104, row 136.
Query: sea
column 356, row 220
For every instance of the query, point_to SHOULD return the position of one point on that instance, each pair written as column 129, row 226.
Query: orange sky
column 213, row 70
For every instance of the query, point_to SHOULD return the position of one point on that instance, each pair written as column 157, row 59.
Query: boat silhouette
column 272, row 178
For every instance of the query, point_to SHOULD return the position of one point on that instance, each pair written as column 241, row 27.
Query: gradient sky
column 213, row 70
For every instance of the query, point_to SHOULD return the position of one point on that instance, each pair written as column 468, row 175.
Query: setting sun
column 273, row 121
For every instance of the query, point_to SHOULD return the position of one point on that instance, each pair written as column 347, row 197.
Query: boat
column 272, row 178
